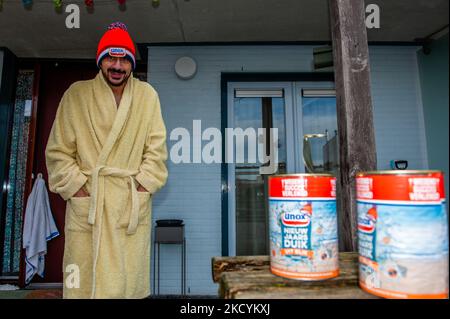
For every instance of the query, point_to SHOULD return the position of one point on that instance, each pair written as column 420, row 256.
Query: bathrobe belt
column 97, row 198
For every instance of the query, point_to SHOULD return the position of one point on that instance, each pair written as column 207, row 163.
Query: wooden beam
column 238, row 263
column 354, row 109
column 250, row 277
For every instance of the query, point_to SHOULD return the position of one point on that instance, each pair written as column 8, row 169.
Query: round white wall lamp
column 185, row 68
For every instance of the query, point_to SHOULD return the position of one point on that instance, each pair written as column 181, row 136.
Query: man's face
column 116, row 70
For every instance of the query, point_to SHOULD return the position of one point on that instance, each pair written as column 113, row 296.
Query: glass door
column 302, row 116
column 257, row 116
column 11, row 220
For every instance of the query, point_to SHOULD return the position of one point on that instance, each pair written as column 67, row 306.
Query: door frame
column 7, row 101
column 242, row 77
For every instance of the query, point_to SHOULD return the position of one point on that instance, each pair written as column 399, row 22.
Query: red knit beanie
column 116, row 42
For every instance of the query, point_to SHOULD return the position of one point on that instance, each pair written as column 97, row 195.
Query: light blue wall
column 397, row 103
column 193, row 191
column 434, row 83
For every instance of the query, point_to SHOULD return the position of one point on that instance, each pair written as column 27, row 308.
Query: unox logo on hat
column 300, row 218
column 117, row 52
column 367, row 223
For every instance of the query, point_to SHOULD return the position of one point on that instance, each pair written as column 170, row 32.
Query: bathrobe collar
column 104, row 96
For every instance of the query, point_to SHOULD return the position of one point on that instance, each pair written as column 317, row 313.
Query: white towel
column 39, row 227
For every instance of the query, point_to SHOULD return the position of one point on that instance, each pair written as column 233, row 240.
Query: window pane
column 251, row 186
column 319, row 134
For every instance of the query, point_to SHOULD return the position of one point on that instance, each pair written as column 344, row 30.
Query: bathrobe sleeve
column 153, row 171
column 64, row 176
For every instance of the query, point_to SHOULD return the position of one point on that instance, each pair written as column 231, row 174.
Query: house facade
column 194, row 191
column 237, row 83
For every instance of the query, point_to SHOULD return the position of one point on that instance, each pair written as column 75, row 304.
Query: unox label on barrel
column 303, row 226
column 402, row 234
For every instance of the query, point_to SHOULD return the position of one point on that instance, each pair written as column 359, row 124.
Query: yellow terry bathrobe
column 107, row 148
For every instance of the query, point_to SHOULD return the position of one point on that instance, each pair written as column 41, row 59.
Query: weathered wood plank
column 238, row 263
column 250, row 277
column 347, row 260
column 354, row 109
column 308, row 293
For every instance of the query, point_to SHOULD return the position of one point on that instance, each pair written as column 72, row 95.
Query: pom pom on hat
column 118, row 25
column 116, row 42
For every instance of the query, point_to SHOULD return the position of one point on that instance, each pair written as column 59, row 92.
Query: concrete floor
column 31, row 294
column 57, row 294
column 7, row 292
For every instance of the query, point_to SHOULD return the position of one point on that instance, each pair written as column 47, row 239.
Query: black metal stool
column 169, row 231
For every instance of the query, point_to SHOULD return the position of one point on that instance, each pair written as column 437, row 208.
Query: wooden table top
column 249, row 277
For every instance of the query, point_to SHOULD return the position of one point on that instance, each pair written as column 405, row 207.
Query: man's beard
column 105, row 75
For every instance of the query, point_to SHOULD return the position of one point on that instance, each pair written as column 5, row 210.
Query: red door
column 55, row 79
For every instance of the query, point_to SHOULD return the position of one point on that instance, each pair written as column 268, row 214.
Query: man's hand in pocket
column 81, row 193
column 141, row 188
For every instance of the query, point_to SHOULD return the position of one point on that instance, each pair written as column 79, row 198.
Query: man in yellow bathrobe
column 106, row 157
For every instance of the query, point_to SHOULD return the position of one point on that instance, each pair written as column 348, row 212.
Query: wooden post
column 354, row 109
